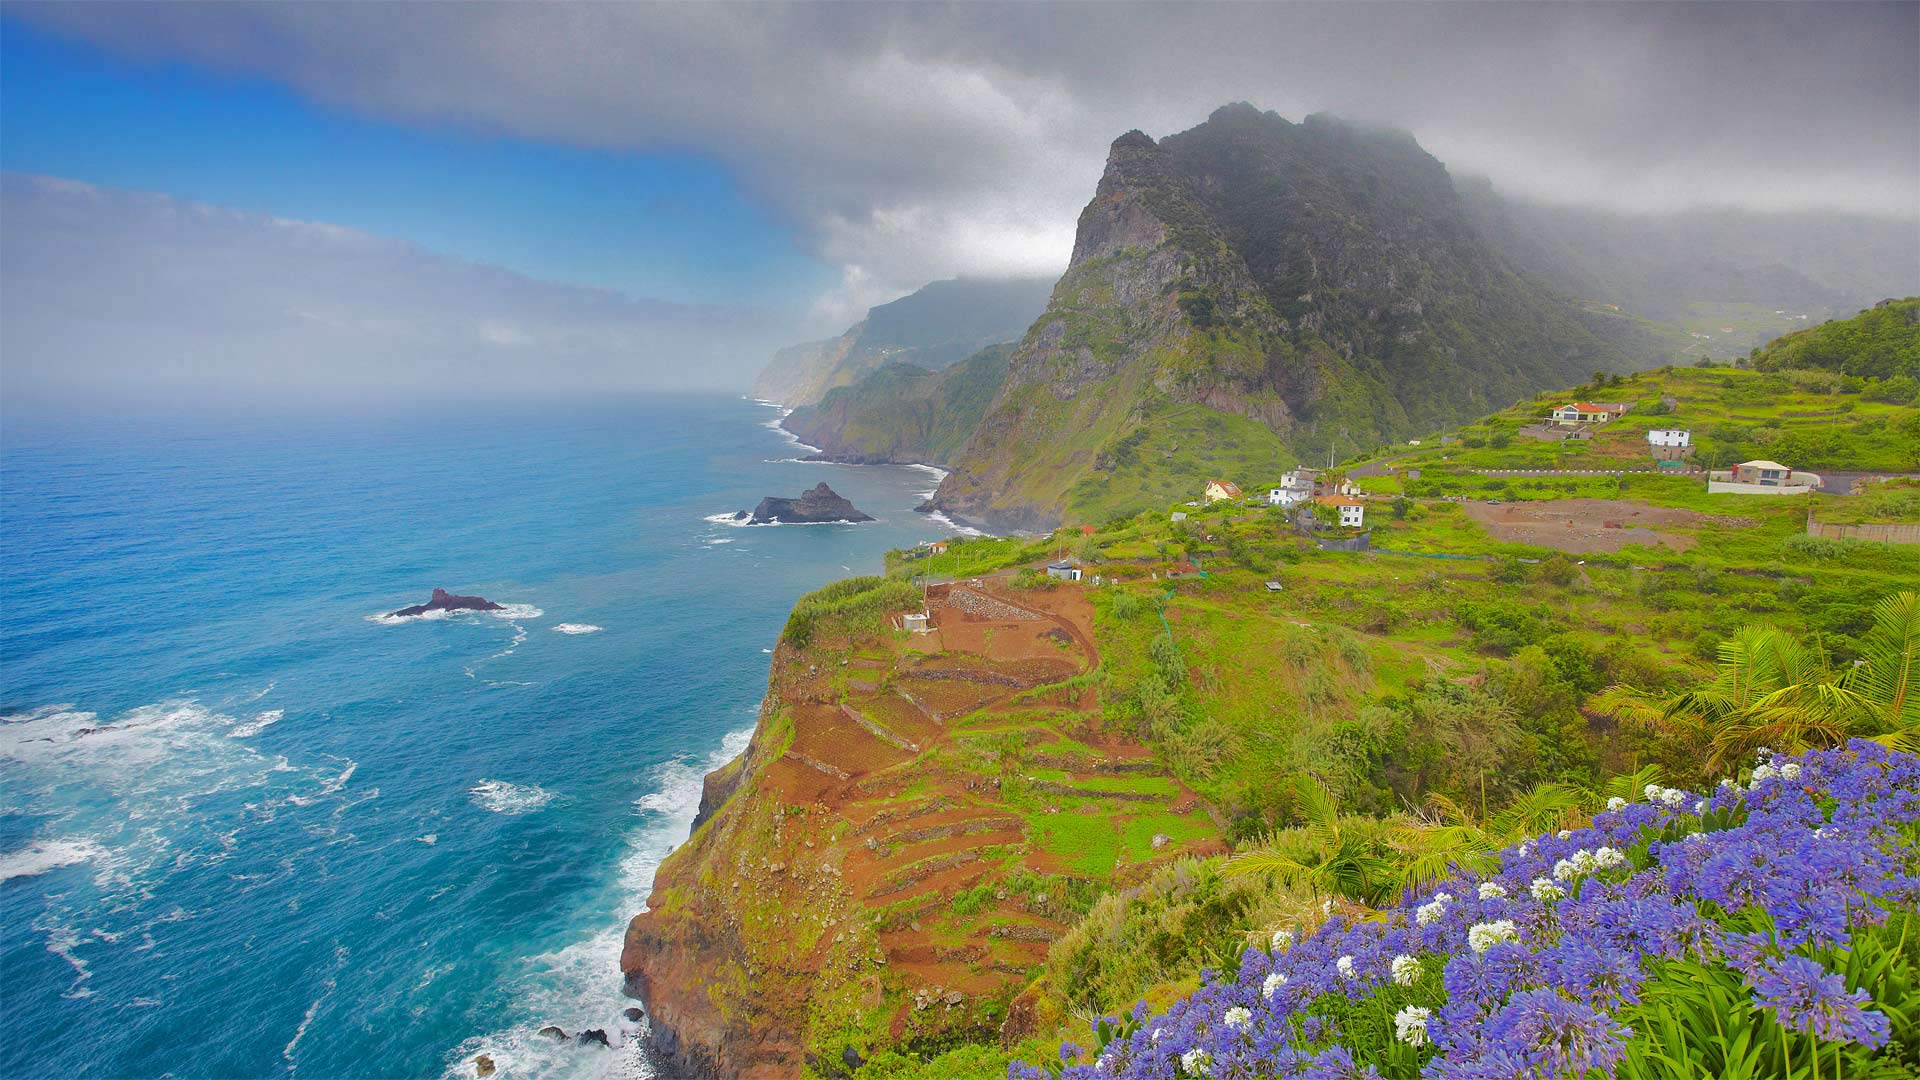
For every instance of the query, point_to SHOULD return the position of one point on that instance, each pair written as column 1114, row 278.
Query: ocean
column 250, row 826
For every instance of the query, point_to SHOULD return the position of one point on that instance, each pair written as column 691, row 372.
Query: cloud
column 915, row 141
column 107, row 294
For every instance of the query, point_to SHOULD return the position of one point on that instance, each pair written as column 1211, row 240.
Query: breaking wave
column 577, row 628
column 43, row 855
column 504, row 798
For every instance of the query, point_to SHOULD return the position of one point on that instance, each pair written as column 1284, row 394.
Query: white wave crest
column 962, row 530
column 504, row 798
column 259, row 723
column 44, row 855
column 577, row 628
column 578, row 986
column 507, row 611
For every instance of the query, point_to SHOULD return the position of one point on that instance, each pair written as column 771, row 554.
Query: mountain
column 1659, row 265
column 941, row 324
column 1882, row 342
column 903, row 414
column 1249, row 289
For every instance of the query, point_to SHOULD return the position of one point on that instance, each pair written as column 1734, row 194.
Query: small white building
column 1296, row 487
column 1670, row 437
column 1353, row 512
column 1065, row 570
column 914, row 622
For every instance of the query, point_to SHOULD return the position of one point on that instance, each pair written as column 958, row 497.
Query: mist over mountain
column 1656, row 265
column 933, row 327
column 1321, row 279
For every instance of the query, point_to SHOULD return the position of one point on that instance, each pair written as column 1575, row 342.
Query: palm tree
column 1338, row 860
column 1446, row 837
column 1887, row 678
column 1771, row 689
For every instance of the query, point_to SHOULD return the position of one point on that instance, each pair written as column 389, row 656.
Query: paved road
column 1841, row 483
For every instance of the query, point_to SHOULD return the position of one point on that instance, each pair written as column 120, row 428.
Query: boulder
column 818, row 505
column 443, row 600
column 482, row 1066
column 592, row 1035
column 554, row 1033
column 634, row 1014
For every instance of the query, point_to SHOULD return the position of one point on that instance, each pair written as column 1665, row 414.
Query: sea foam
column 504, row 798
column 577, row 628
column 43, row 855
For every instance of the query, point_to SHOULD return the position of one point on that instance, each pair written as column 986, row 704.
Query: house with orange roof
column 1353, row 512
column 1222, row 491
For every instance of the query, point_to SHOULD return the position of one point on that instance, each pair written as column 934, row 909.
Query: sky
column 731, row 177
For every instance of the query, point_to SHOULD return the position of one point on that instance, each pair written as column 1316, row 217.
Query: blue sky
column 671, row 226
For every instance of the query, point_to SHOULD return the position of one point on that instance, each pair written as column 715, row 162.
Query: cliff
column 885, row 866
column 1278, row 286
column 937, row 326
column 903, row 414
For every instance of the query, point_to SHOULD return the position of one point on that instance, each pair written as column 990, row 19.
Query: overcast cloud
column 909, row 142
column 114, row 297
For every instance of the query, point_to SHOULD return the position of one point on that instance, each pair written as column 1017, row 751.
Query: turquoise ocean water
column 248, row 827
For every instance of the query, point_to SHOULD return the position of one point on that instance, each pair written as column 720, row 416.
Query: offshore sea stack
column 818, row 505
column 443, row 600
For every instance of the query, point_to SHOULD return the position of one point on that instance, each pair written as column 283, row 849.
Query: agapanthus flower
column 1764, row 772
column 1344, row 966
column 1272, row 983
column 1492, row 890
column 1616, row 803
column 1790, row 771
column 1559, row 1037
column 1406, row 970
column 1410, row 1025
column 1546, row 891
column 1238, row 1017
column 1608, row 858
column 1808, row 998
column 1430, row 912
column 1282, row 941
column 1486, row 935
column 1196, row 1062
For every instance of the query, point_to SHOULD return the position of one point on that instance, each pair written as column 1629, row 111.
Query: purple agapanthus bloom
column 1532, row 977
column 1808, row 998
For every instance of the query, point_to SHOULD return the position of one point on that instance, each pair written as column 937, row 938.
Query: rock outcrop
column 445, row 601
column 819, row 505
column 1317, row 284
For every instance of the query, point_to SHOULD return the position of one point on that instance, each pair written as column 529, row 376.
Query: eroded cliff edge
column 886, row 864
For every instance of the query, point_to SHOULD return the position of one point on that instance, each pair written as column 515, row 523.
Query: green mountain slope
column 1318, row 281
column 903, row 414
column 1882, row 342
column 941, row 324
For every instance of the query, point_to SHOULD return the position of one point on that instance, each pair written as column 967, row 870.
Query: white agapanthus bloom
column 1764, row 772
column 1238, row 1017
column 1484, row 936
column 1700, row 806
column 1652, row 792
column 1326, row 906
column 1583, row 861
column 1616, row 803
column 1410, row 1025
column 1607, row 858
column 1673, row 796
column 1344, row 966
column 1546, row 891
column 1522, row 852
column 1282, row 941
column 1492, row 890
column 1429, row 913
column 1195, row 1062
column 1565, row 834
column 1406, row 970
column 1790, row 771
column 1726, row 782
column 1274, row 981
column 1564, row 870
column 1155, row 1037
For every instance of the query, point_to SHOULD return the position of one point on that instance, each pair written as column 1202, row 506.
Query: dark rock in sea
column 554, row 1033
column 483, row 1066
column 592, row 1035
column 445, row 601
column 816, row 506
column 634, row 1014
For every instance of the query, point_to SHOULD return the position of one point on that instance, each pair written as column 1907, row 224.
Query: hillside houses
column 1670, row 444
column 1352, row 512
column 1762, row 477
column 1296, row 487
column 1222, row 491
column 1589, row 412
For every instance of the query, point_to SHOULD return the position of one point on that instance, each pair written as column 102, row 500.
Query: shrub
column 1749, row 932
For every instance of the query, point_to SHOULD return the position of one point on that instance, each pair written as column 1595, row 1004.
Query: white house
column 1589, row 412
column 1670, row 437
column 1296, row 487
column 1352, row 511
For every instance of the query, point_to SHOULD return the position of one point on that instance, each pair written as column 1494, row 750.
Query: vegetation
column 1881, row 343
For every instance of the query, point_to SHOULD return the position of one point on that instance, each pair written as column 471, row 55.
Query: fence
column 1885, row 534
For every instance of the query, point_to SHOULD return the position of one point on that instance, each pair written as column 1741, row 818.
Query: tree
column 1327, row 855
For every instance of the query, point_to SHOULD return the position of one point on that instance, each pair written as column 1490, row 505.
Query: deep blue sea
column 248, row 827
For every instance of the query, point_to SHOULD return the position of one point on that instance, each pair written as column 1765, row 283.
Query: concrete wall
column 1891, row 533
column 1725, row 487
